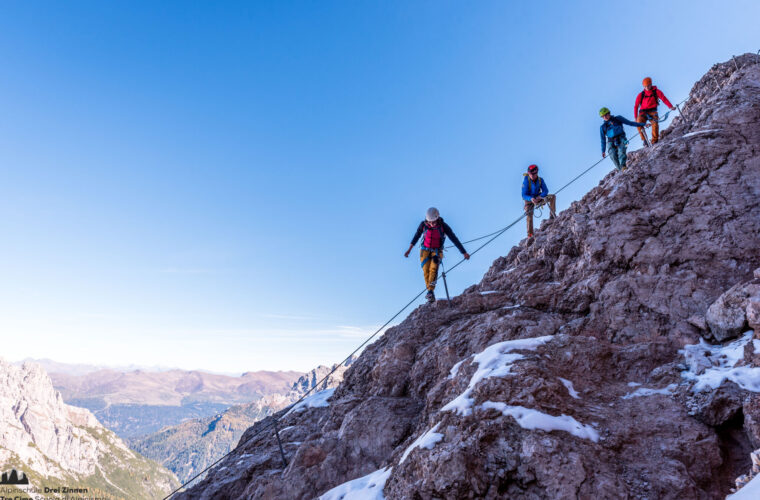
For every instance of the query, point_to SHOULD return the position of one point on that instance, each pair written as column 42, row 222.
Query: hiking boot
column 430, row 296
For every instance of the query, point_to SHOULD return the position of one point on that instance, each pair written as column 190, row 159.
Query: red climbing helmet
column 533, row 169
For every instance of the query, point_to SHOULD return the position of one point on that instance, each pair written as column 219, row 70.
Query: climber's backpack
column 656, row 97
column 530, row 184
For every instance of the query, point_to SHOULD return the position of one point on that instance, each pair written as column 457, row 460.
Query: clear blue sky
column 231, row 186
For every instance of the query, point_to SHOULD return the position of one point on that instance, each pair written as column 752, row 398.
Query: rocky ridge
column 578, row 366
column 54, row 443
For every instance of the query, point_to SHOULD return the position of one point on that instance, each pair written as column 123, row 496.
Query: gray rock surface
column 727, row 316
column 616, row 282
column 753, row 314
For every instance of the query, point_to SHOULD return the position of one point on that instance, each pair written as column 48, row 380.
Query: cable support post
column 279, row 443
column 445, row 285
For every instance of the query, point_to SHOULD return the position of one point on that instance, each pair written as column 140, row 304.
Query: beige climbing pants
column 530, row 206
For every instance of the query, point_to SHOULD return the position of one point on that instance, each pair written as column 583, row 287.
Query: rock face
column 189, row 447
column 53, row 442
column 581, row 373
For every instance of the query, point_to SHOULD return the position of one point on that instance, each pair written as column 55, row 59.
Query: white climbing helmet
column 432, row 214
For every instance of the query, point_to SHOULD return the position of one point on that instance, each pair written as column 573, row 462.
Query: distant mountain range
column 139, row 402
column 183, row 419
column 191, row 446
column 54, row 444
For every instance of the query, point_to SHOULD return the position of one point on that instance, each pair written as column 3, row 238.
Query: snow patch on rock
column 316, row 400
column 645, row 391
column 494, row 361
column 569, row 386
column 698, row 132
column 455, row 369
column 750, row 491
column 428, row 441
column 369, row 487
column 723, row 359
column 534, row 419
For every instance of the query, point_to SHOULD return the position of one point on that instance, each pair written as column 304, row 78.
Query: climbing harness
column 434, row 255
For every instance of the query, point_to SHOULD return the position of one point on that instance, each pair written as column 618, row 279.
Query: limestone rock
column 753, row 314
column 727, row 316
column 751, row 409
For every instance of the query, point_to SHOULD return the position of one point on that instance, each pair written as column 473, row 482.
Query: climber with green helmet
column 613, row 137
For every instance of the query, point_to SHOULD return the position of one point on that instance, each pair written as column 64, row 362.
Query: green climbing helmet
column 603, row 111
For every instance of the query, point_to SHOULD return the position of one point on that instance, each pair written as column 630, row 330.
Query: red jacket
column 649, row 101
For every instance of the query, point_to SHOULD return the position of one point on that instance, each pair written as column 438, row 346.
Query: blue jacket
column 613, row 128
column 532, row 189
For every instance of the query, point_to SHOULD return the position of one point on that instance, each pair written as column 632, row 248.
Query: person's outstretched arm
column 604, row 139
column 628, row 122
column 636, row 106
column 447, row 230
column 663, row 98
column 416, row 237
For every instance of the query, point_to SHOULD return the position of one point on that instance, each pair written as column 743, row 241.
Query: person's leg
column 426, row 259
column 654, row 120
column 432, row 274
column 529, row 217
column 622, row 154
column 642, row 118
column 552, row 201
column 612, row 151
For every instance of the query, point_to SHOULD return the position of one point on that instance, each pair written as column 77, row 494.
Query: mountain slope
column 189, row 447
column 55, row 444
column 574, row 369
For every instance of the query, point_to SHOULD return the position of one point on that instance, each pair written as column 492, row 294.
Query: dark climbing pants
column 616, row 148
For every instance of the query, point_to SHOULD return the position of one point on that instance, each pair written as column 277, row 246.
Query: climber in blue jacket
column 535, row 194
column 613, row 137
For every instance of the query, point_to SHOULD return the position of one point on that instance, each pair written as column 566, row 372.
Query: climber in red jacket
column 646, row 108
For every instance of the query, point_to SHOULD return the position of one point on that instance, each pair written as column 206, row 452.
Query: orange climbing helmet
column 647, row 81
